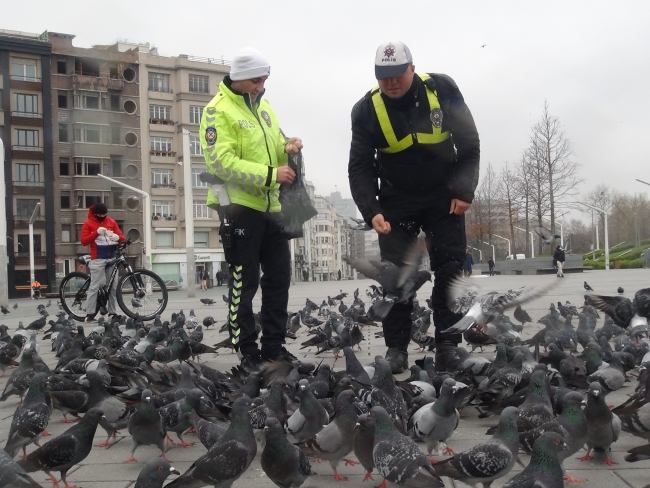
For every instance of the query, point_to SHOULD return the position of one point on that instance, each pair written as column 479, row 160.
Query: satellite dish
column 132, row 203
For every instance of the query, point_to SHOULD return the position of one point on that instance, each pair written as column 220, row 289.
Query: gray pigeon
column 364, row 440
column 398, row 458
column 208, row 432
column 437, row 421
column 146, row 427
column 30, row 418
column 611, row 377
column 116, row 413
column 285, row 464
column 488, row 461
column 604, row 426
column 544, row 468
column 12, row 475
column 154, row 473
column 173, row 414
column 386, row 394
column 335, row 441
column 353, row 368
column 228, row 458
column 309, row 419
column 64, row 451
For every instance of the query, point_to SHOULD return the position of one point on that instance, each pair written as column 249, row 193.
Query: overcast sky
column 589, row 59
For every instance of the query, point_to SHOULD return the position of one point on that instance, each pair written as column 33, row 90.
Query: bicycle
column 140, row 293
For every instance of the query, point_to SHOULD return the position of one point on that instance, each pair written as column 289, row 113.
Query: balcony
column 29, row 183
column 37, row 254
column 27, row 115
column 27, row 152
column 171, row 184
column 160, row 89
column 161, row 121
column 93, row 82
column 163, row 217
column 25, row 218
column 29, row 187
column 164, row 221
column 155, row 152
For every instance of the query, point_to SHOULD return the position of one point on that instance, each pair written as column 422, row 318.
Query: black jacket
column 559, row 255
column 421, row 168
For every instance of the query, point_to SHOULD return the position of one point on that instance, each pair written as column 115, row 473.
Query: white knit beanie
column 249, row 63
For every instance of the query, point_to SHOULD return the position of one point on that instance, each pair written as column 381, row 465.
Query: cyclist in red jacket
column 103, row 235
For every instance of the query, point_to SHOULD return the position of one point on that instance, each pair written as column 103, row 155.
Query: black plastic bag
column 296, row 204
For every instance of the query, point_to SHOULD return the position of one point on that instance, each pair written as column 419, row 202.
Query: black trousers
column 445, row 237
column 257, row 240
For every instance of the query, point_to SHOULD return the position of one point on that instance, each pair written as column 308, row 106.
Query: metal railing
column 31, row 115
column 27, row 148
column 36, row 79
column 29, row 183
column 25, row 218
column 201, row 59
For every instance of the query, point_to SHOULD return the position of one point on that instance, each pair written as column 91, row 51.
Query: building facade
column 26, row 131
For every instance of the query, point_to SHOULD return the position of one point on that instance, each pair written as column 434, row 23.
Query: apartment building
column 174, row 92
column 26, row 131
column 96, row 111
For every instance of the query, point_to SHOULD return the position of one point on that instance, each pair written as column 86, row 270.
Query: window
column 201, row 239
column 24, row 69
column 162, row 208
column 91, row 198
column 196, row 112
column 160, row 112
column 161, row 144
column 118, row 196
column 63, row 132
column 199, row 84
column 196, row 180
column 24, row 244
column 60, row 67
column 66, row 230
column 87, row 166
column 65, row 199
column 63, row 99
column 161, row 177
column 164, row 239
column 26, row 139
column 87, row 99
column 159, row 82
column 117, row 165
column 200, row 210
column 115, row 102
column 26, row 105
column 64, row 166
column 116, row 134
column 88, row 133
column 195, row 146
column 27, row 175
column 25, row 207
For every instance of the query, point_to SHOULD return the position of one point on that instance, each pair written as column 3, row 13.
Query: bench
column 28, row 287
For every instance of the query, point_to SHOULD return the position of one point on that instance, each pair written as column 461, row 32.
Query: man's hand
column 285, row 175
column 101, row 231
column 114, row 237
column 458, row 207
column 292, row 146
column 380, row 225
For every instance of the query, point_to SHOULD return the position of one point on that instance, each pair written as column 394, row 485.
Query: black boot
column 446, row 356
column 398, row 360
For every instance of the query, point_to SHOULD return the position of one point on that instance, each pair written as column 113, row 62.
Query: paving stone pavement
column 103, row 468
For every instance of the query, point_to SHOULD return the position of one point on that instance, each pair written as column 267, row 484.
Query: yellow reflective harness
column 435, row 137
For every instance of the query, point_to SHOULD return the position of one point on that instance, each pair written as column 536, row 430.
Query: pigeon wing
column 462, row 295
column 59, row 451
column 412, row 262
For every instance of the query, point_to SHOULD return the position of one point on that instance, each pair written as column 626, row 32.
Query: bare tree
column 524, row 179
column 602, row 197
column 550, row 151
column 540, row 196
column 508, row 192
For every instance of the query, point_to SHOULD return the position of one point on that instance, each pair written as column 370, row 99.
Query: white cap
column 249, row 63
column 392, row 59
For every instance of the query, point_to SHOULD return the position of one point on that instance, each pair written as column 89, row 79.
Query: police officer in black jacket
column 414, row 165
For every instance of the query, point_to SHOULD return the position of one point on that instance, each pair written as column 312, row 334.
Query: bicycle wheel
column 73, row 294
column 142, row 294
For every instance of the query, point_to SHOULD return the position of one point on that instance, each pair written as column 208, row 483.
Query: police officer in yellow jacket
column 414, row 134
column 244, row 146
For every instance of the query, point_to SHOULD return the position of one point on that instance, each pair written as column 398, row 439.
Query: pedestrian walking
column 467, row 265
column 559, row 257
column 491, row 266
column 204, row 279
column 408, row 174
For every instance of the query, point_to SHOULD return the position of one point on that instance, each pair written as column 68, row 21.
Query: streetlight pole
column 480, row 253
column 600, row 210
column 494, row 258
column 189, row 217
column 4, row 296
column 494, row 235
column 532, row 241
column 644, row 182
column 32, row 276
column 146, row 212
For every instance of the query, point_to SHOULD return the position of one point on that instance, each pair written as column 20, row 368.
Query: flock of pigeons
column 549, row 393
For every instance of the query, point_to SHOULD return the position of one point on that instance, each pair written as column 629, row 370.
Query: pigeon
column 604, row 426
column 285, row 464
column 364, row 439
column 545, row 467
column 335, row 441
column 465, row 298
column 66, row 450
column 154, row 473
column 611, row 377
column 173, row 414
column 620, row 290
column 21, row 377
column 521, row 315
column 30, row 418
column 208, row 432
column 146, row 427
column 4, row 309
column 353, row 368
column 228, row 458
column 546, row 236
column 386, row 394
column 398, row 458
column 310, row 418
column 12, row 475
column 399, row 283
column 487, row 461
column 587, row 287
column 116, row 412
column 620, row 309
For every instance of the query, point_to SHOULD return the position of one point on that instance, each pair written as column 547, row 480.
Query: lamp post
column 532, row 241
column 494, row 235
column 32, row 277
column 4, row 296
column 480, row 253
column 600, row 210
column 146, row 212
column 189, row 217
column 644, row 182
column 494, row 258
